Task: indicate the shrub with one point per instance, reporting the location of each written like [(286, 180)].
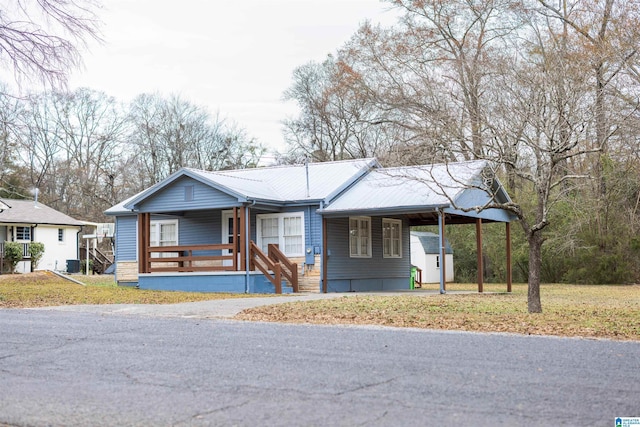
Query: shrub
[(13, 254), (83, 266), (36, 250)]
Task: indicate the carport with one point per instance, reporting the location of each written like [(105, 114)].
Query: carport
[(430, 195)]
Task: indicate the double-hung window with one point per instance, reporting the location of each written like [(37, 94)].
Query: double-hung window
[(164, 233), (391, 238), (360, 237), (284, 229)]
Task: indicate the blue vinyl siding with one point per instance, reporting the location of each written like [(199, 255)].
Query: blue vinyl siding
[(200, 228), (172, 198), (375, 273), (126, 238), (312, 224)]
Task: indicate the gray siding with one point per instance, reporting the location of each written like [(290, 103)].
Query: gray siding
[(126, 233), (342, 267), (172, 198)]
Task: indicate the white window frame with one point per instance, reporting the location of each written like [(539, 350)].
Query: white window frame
[(388, 223), (155, 240), (281, 237), (61, 235), (357, 234), (24, 227)]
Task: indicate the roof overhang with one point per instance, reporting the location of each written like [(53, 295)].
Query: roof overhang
[(133, 203)]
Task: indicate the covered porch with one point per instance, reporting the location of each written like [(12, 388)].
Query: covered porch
[(235, 265)]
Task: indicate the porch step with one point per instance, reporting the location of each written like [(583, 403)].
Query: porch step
[(311, 288)]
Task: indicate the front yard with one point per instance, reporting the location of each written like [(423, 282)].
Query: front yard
[(569, 310)]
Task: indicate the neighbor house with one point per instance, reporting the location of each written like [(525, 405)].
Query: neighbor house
[(27, 221), (425, 255), (331, 227)]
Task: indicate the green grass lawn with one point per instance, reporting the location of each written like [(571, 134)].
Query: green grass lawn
[(568, 310)]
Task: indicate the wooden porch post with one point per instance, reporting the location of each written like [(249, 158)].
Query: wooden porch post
[(479, 252), (325, 256), (508, 243), (234, 250), (243, 238), (144, 229)]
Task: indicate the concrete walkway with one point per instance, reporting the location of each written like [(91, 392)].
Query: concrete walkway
[(220, 309)]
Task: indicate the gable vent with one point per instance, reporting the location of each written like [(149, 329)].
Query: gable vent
[(188, 193)]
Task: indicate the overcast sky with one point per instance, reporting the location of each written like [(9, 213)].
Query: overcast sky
[(235, 57)]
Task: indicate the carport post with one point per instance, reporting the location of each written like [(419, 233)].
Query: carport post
[(508, 243), (479, 251), (442, 251)]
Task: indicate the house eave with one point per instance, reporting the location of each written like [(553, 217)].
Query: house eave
[(400, 210), (133, 205)]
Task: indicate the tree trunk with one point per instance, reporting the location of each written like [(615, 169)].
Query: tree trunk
[(535, 266)]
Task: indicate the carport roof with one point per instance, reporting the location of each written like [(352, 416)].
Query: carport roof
[(420, 191)]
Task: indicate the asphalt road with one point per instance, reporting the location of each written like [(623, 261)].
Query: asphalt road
[(62, 368)]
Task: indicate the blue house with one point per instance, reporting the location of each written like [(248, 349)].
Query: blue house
[(330, 227)]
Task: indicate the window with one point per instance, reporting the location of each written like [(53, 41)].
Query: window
[(285, 230), (360, 237), (23, 233), (164, 233), (60, 235), (391, 238)]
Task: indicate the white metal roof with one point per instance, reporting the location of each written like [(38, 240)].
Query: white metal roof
[(408, 188), (289, 183), (279, 184)]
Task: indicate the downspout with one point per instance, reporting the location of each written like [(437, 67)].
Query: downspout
[(441, 249)]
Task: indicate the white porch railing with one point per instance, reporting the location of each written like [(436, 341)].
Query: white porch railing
[(25, 250)]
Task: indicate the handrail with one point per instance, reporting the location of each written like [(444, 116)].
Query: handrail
[(266, 265), (290, 272), (100, 261)]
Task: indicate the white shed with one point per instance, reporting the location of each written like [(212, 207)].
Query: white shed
[(425, 255)]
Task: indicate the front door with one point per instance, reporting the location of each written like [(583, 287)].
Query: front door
[(228, 237)]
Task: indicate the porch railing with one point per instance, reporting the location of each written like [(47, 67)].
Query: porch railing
[(25, 250), (192, 258), (289, 270), (272, 270)]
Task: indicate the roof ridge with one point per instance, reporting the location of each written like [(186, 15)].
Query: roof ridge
[(311, 164)]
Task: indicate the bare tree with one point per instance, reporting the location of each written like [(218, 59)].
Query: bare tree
[(11, 178), (337, 120), (434, 68), (40, 39), (170, 133), (75, 142)]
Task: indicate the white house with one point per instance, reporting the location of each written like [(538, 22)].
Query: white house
[(27, 221), (425, 254)]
